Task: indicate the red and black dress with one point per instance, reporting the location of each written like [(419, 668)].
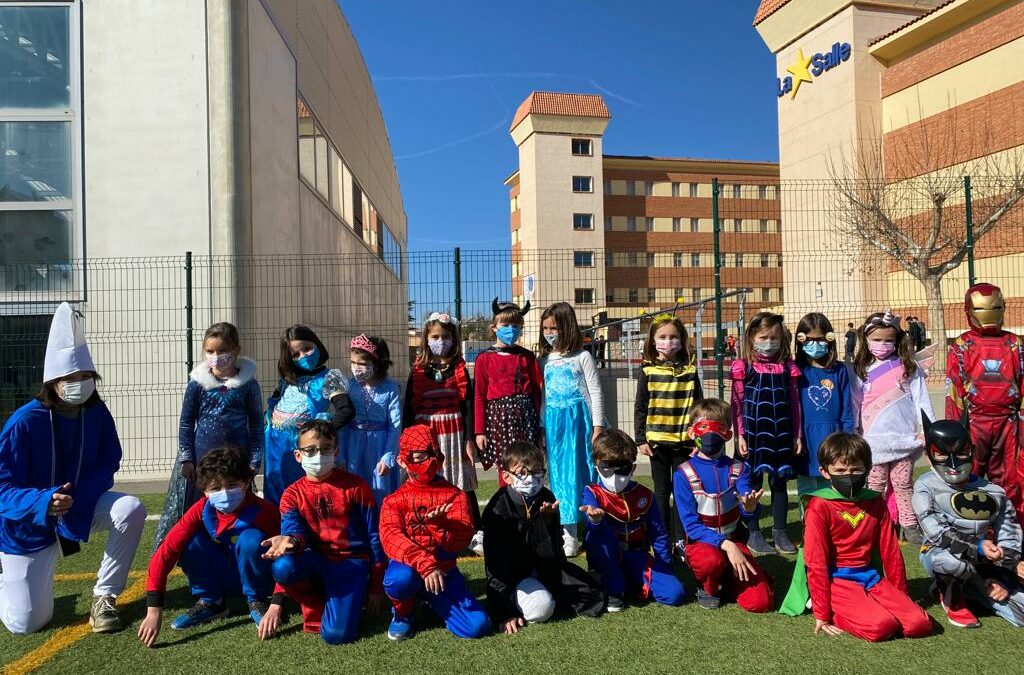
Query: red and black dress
[(508, 397)]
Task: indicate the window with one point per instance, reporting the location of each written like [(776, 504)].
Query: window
[(677, 224), (695, 294), (607, 186), (650, 260), (737, 191), (678, 295), (40, 161), (357, 209), (764, 260), (583, 258), (582, 184), (781, 299), (739, 260), (677, 260), (675, 189), (609, 295), (631, 188), (778, 226), (766, 295), (762, 226), (694, 224), (607, 223), (693, 189), (609, 260), (391, 250), (631, 259), (762, 191), (649, 224), (648, 188), (652, 294), (634, 295), (778, 260), (631, 223), (737, 225), (313, 153), (695, 260), (584, 296), (583, 221), (582, 146)]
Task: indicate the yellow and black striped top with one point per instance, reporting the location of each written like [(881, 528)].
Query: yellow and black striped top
[(665, 394)]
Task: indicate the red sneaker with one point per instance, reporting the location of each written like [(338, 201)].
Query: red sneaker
[(952, 601)]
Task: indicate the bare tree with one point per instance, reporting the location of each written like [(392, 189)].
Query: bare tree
[(905, 198)]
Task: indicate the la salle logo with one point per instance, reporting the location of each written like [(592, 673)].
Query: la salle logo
[(816, 65)]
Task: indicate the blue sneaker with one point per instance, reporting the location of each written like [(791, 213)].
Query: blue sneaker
[(400, 628), (257, 608), (200, 613)]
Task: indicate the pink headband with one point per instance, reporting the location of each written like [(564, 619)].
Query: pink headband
[(362, 343)]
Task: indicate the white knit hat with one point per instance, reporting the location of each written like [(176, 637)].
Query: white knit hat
[(66, 350)]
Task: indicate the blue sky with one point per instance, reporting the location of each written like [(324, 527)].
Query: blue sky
[(681, 78)]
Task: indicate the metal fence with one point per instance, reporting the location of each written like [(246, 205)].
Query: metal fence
[(145, 316)]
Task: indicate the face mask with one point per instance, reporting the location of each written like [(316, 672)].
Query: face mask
[(423, 472), (528, 486), (318, 466), (226, 501), (668, 346), (220, 361), (615, 482), (849, 485), (77, 393), (815, 350), (711, 445), (362, 373), (508, 335), (766, 347), (309, 361), (551, 338), (439, 346), (881, 350)]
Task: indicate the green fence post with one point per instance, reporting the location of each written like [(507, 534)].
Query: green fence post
[(188, 312), (717, 228), (969, 214), (458, 284)]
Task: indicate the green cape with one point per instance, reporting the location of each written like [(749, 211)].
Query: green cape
[(799, 595)]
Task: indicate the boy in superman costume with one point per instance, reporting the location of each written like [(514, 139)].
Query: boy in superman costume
[(850, 566)]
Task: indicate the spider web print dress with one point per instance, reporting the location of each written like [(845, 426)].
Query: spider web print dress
[(766, 408)]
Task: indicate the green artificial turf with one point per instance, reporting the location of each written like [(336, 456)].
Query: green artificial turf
[(642, 639)]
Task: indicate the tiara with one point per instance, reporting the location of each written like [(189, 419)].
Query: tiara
[(363, 343), (443, 318)]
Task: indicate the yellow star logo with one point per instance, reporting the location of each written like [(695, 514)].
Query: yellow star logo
[(854, 521), (799, 71)]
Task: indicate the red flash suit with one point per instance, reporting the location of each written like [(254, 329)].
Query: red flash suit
[(984, 371), (839, 540)]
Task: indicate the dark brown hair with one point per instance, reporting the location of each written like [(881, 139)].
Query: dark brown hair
[(864, 357), (382, 360), (522, 453), (285, 365), (811, 322), (845, 447), (651, 350), (762, 321), (570, 339), (614, 445), (48, 396), (714, 409), (222, 465), (319, 428), (423, 358), (223, 331)]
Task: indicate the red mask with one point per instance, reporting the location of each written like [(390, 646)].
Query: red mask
[(985, 308), (702, 427), (419, 439)]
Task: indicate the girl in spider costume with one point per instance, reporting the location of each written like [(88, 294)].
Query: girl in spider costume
[(766, 415)]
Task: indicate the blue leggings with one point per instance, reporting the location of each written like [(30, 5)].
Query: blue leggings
[(343, 583), (462, 614), (216, 571), (623, 571)]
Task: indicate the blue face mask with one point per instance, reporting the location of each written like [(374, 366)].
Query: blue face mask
[(815, 350), (509, 335), (309, 361), (226, 501)]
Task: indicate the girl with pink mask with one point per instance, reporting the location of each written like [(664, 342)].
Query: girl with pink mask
[(889, 393)]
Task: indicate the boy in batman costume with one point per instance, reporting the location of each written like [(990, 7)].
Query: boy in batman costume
[(972, 542)]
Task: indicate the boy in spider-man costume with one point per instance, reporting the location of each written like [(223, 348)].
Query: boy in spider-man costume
[(985, 374), (423, 525), (328, 555)]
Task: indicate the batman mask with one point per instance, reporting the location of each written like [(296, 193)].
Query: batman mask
[(949, 449)]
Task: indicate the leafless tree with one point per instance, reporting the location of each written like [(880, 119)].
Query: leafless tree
[(905, 197)]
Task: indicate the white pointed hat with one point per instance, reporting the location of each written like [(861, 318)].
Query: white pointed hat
[(66, 350)]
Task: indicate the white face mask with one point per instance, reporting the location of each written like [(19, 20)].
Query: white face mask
[(318, 466), (551, 338), (439, 346), (362, 373), (77, 393), (615, 482), (766, 347), (528, 485)]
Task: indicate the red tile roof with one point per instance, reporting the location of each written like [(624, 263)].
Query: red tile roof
[(911, 22), (767, 8), (553, 103)]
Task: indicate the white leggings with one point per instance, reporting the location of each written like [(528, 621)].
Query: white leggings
[(26, 585)]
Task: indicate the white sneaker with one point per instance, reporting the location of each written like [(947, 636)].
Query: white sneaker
[(570, 544), (476, 545)]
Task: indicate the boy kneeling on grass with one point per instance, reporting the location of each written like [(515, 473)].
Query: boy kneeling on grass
[(218, 542), (424, 525), (528, 576), (846, 528), (624, 527), (328, 556)]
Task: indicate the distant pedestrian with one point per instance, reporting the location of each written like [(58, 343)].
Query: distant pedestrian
[(851, 342)]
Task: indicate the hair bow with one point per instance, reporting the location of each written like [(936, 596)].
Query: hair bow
[(443, 318)]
